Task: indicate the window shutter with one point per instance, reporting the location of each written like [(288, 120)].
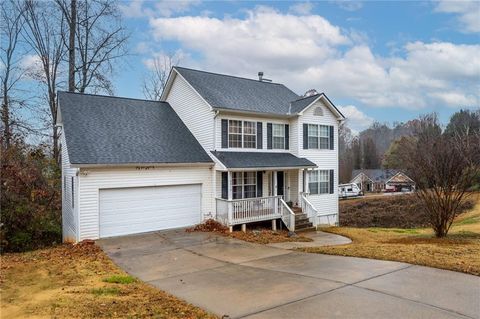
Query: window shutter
[(224, 133), (269, 136), (259, 184), (305, 136), (287, 137), (332, 142), (331, 181), (259, 135), (224, 185)]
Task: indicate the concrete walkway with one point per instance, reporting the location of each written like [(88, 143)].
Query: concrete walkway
[(244, 280), (320, 238)]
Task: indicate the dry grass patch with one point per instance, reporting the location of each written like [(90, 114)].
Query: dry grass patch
[(459, 251), (80, 281), (262, 236)]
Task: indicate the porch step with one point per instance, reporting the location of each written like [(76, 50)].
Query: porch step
[(302, 222)]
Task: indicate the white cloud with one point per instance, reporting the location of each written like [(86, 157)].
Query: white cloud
[(357, 120), (132, 9), (349, 5), (265, 39), (308, 51), (468, 13), (302, 8), (163, 8)]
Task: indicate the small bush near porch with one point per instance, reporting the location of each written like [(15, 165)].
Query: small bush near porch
[(80, 281), (458, 251)]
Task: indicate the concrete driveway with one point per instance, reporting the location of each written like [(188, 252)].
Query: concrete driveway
[(239, 279)]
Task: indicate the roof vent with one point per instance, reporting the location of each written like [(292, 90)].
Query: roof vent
[(310, 92), (261, 78)]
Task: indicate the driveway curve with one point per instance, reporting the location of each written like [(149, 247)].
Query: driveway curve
[(244, 280)]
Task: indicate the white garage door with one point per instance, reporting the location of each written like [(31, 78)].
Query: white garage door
[(126, 211)]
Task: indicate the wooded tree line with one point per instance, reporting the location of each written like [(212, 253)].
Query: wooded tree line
[(46, 46), (381, 145)]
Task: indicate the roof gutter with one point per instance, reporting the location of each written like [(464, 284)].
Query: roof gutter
[(261, 114), (142, 165)]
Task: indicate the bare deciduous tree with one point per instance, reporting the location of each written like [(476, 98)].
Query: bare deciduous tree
[(154, 82), (11, 72), (101, 42), (443, 170), (44, 32)]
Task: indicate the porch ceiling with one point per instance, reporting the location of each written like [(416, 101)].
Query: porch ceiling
[(261, 160)]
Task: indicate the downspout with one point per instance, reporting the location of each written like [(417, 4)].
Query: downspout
[(214, 172)]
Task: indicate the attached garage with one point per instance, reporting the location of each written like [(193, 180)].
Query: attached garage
[(129, 166), (133, 210)]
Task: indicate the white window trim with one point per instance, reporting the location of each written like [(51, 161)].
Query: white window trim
[(242, 183), (319, 181), (318, 136), (243, 134)]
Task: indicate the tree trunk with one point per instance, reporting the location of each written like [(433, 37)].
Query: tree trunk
[(71, 46), (6, 121)]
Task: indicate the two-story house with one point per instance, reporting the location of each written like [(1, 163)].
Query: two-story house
[(218, 146)]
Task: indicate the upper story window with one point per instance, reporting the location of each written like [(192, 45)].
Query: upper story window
[(278, 135), (242, 134), (318, 136)]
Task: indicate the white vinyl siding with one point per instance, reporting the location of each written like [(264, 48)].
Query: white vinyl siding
[(91, 181), (69, 212), (193, 111), (325, 159)]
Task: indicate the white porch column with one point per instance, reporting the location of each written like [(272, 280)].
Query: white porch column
[(275, 188), (230, 197), (307, 189), (299, 182)]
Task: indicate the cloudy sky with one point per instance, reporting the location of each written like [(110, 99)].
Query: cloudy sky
[(385, 61)]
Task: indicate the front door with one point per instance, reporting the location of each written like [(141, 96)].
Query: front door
[(280, 183)]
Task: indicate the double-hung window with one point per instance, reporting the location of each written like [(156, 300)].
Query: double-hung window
[(249, 134), (235, 133), (242, 134), (319, 182), (318, 136), (244, 185), (278, 136)]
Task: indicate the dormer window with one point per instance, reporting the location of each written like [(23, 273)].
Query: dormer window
[(242, 134)]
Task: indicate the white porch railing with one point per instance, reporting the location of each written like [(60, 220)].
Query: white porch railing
[(248, 210), (312, 213), (288, 216), (308, 208)]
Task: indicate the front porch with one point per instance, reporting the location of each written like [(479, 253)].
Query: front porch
[(255, 196)]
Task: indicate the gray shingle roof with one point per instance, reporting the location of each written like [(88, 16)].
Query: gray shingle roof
[(301, 103), (230, 92), (261, 160), (376, 175), (114, 130)]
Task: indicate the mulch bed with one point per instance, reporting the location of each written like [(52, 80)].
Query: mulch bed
[(260, 236), (401, 211)]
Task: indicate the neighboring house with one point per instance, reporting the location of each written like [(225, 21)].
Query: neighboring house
[(220, 146), (380, 180)]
